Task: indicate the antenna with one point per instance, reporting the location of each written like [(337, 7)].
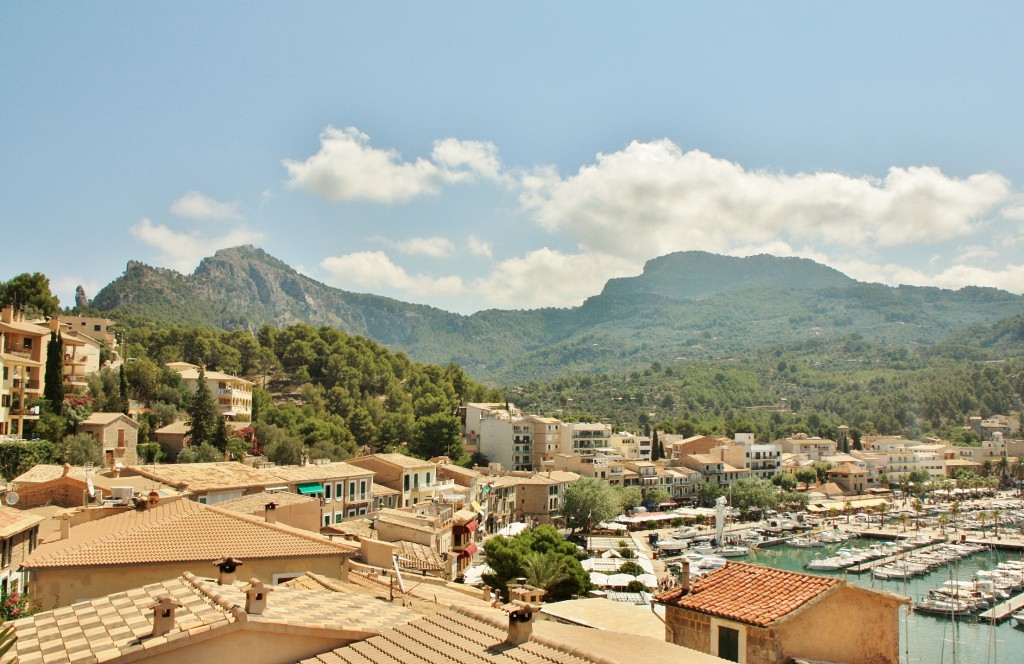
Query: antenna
[(12, 498)]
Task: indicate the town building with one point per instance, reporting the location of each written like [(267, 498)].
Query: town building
[(117, 435), (19, 535), (416, 479), (345, 491), (759, 615), (138, 547), (811, 447), (233, 395), (76, 486), (23, 348)]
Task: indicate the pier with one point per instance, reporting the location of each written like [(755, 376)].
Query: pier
[(861, 568), (1001, 612)]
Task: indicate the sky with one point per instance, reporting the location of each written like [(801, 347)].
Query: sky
[(476, 156)]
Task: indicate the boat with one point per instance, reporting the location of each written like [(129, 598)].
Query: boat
[(942, 607), (1019, 619), (732, 551)]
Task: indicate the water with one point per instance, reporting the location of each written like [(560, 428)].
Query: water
[(924, 639)]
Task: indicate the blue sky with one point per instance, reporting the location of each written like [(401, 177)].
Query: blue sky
[(473, 156)]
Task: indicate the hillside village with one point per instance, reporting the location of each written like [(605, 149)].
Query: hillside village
[(373, 557)]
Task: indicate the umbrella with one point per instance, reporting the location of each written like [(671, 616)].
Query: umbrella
[(620, 580), (598, 579), (512, 529), (611, 525), (648, 580), (473, 576)]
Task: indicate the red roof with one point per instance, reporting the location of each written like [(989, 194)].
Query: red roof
[(751, 594)]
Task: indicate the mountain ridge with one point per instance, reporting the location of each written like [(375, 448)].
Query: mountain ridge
[(693, 305)]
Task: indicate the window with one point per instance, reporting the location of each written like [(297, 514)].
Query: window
[(428, 479), (327, 519), (95, 328), (339, 489), (337, 517), (352, 490), (327, 491), (26, 342), (729, 643), (406, 482), (362, 489)]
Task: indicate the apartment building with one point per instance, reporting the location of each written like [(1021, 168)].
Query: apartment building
[(19, 534), (117, 435), (500, 433), (233, 395), (23, 348), (345, 491), (811, 447), (416, 479), (607, 468), (585, 438)]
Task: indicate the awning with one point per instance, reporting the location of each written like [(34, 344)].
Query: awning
[(471, 526), (476, 507), (469, 551), (311, 488)]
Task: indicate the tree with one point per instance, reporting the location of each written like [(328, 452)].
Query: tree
[(588, 501), (201, 453), (806, 476), (53, 377), (32, 293), (203, 413), (80, 449), (545, 570), (656, 451), (708, 492), (629, 497), (220, 435), (656, 496), (437, 434), (754, 494), (506, 556), (122, 391), (149, 452)]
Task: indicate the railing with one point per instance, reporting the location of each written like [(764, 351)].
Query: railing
[(23, 384)]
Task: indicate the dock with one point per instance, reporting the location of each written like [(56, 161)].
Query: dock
[(1004, 610), (878, 562)]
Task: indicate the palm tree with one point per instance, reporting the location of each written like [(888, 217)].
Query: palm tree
[(943, 520), (996, 515), (544, 570), (848, 508), (918, 507), (983, 517), (1002, 467), (954, 511), (904, 520)]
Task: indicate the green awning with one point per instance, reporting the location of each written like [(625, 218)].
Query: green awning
[(310, 489)]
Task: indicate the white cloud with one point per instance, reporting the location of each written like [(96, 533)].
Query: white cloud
[(195, 205), (548, 278), (437, 247), (1009, 278), (183, 251), (373, 269), (651, 199), (348, 168), (464, 160), (478, 247)]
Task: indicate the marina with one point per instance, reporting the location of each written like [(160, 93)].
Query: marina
[(928, 638)]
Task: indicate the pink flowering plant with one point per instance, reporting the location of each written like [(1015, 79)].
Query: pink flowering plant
[(14, 605)]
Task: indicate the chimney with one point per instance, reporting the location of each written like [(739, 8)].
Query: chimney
[(271, 512), (227, 566), (684, 581), (67, 469), (256, 597), (520, 625), (163, 614), (65, 526)]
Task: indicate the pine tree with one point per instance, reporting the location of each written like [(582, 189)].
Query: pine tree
[(53, 385), (220, 435), (203, 412)]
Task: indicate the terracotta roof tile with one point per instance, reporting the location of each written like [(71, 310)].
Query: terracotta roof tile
[(752, 594), (179, 530)]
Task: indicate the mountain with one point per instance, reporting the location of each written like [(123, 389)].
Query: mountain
[(686, 305)]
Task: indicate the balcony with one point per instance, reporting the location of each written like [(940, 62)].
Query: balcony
[(22, 384)]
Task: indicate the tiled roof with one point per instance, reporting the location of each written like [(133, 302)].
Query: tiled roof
[(467, 634), (179, 530), (14, 521), (847, 468), (120, 625), (106, 418), (751, 594), (438, 593), (418, 556), (257, 502), (202, 477), (318, 472), (398, 460)]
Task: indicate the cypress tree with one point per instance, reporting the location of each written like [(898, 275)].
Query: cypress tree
[(656, 453), (122, 390), (203, 412), (53, 379)]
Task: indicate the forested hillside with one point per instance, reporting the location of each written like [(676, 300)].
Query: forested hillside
[(684, 306)]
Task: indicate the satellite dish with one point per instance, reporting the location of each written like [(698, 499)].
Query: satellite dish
[(12, 498), (92, 488)]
